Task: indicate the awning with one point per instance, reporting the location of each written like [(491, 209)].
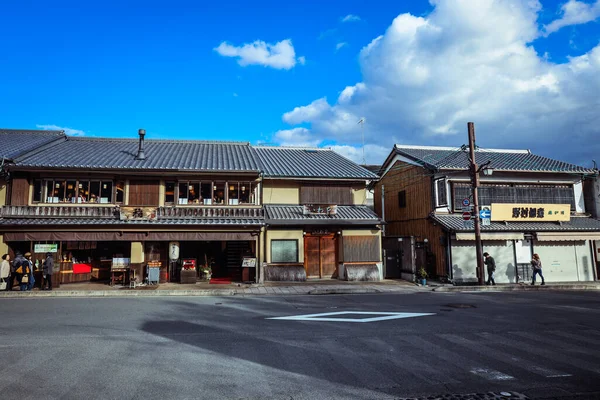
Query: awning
[(567, 236), (490, 236)]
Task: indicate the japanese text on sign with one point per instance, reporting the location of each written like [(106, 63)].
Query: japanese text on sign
[(530, 212)]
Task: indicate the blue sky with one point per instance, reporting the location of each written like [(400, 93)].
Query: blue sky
[(109, 68)]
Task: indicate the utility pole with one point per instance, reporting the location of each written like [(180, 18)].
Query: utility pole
[(475, 185)]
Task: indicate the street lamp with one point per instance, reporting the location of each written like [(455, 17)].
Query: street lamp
[(488, 171)]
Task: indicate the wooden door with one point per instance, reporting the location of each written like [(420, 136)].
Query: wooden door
[(328, 259), (312, 261), (320, 259)]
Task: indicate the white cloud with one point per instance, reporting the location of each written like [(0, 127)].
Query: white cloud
[(373, 153), (68, 131), (296, 137), (301, 60), (235, 94), (280, 55), (340, 45), (574, 12), (350, 18), (427, 76)]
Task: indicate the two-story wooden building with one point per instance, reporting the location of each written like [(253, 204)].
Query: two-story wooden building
[(536, 205), (94, 200)]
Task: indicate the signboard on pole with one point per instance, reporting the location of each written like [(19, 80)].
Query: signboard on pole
[(466, 216), (466, 202), (485, 215)]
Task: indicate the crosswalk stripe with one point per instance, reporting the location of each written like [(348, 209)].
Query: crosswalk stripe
[(455, 359), (401, 359), (498, 354), (532, 349), (581, 338), (561, 344)]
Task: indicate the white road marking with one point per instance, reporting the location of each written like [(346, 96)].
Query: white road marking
[(326, 316), (491, 374)]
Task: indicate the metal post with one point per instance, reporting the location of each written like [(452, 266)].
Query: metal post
[(475, 184), (383, 208)]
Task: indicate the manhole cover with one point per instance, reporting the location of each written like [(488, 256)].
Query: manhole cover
[(458, 305)]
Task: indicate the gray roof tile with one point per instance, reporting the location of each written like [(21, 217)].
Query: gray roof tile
[(16, 142), (288, 162), (284, 214), (105, 153), (454, 222), (115, 221), (500, 160)]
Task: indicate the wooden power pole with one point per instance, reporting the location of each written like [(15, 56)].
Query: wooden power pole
[(475, 185)]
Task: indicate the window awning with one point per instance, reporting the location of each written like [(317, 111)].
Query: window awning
[(567, 236), (490, 236)]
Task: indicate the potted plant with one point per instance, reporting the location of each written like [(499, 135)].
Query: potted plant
[(422, 274), (207, 272)]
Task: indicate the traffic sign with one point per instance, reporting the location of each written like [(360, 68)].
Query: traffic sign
[(467, 216), (485, 222), (485, 213), (466, 202)]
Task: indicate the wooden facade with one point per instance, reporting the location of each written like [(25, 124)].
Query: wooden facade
[(144, 192), (326, 194), (361, 249), (19, 191), (408, 204)]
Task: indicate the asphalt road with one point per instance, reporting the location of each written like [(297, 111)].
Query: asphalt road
[(542, 345)]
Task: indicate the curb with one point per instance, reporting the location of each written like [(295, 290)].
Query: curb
[(116, 293), (343, 291), (515, 288)]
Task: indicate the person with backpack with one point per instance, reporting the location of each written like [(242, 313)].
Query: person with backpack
[(536, 264), (22, 271), (31, 277), (48, 269), (491, 268)]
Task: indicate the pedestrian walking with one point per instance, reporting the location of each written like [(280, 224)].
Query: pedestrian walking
[(491, 268), (47, 268), (22, 271), (536, 263), (31, 277), (5, 273)]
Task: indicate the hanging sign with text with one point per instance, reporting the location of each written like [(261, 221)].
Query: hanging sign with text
[(531, 212)]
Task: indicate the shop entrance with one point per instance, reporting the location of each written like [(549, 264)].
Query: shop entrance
[(223, 257), (320, 256)]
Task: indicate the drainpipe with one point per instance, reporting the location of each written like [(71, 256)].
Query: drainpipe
[(383, 208)]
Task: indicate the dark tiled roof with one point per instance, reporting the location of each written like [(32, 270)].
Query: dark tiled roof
[(105, 153), (15, 142), (115, 221), (373, 168), (288, 162), (583, 224), (352, 215), (501, 160)]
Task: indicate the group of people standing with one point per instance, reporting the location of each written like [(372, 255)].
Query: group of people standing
[(536, 265), (21, 269)]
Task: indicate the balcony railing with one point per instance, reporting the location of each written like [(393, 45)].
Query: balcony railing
[(209, 212), (58, 212), (117, 212)]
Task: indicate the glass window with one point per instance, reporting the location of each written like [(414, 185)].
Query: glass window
[(71, 193), (206, 192), (94, 192), (183, 193), (284, 251), (247, 190), (37, 191), (402, 199), (169, 192), (106, 191), (219, 193), (442, 198), (120, 192), (194, 193), (59, 191), (233, 193), (83, 191)]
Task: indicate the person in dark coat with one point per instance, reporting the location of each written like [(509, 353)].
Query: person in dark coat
[(48, 268), (21, 269), (491, 268)]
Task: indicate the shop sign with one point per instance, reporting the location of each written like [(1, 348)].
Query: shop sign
[(45, 248), (137, 213), (319, 209), (531, 212), (248, 262)]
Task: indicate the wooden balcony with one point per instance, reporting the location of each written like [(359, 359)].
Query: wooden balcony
[(58, 212), (209, 212)]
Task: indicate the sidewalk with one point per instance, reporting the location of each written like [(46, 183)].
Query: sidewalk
[(509, 287), (316, 287)]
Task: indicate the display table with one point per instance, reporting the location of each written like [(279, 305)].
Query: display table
[(119, 275)]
